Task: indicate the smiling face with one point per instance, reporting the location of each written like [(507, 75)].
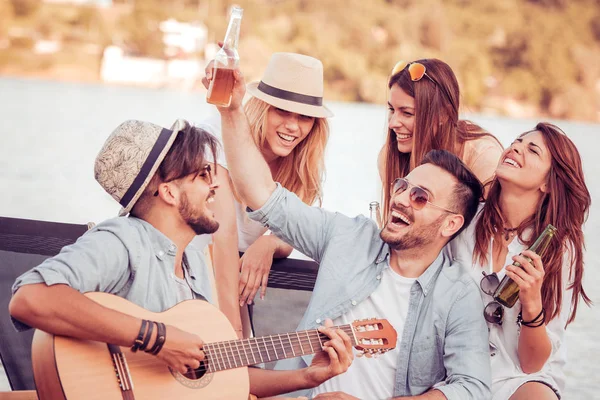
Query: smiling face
[(401, 117), (526, 163), (410, 228), (197, 192), (284, 130)]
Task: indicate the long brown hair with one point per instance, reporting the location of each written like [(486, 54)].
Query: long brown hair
[(303, 170), (565, 205), (437, 126)]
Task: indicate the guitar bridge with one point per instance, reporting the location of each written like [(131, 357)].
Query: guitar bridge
[(121, 368)]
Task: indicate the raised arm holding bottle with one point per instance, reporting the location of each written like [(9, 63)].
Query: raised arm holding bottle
[(538, 192)]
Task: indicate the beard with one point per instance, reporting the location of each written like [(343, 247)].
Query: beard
[(200, 224), (415, 239)]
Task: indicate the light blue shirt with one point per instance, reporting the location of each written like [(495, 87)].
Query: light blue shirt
[(445, 338), (125, 256)]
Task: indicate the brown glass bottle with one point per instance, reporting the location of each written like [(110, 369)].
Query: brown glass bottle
[(226, 60), (507, 292)]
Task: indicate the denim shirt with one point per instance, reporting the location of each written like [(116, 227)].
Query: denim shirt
[(445, 338), (125, 256)]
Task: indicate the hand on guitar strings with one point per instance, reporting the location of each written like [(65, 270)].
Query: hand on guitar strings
[(335, 358), (182, 350)]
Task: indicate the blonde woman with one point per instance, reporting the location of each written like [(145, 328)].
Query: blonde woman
[(289, 125)]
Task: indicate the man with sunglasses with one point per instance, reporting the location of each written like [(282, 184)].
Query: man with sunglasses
[(399, 273), (163, 181)]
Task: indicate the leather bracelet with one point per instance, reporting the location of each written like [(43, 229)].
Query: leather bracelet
[(538, 321), (148, 336), (140, 338), (161, 336)]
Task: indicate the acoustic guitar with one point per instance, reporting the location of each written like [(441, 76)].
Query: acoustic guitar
[(68, 368)]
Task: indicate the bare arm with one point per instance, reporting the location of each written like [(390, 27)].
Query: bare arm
[(225, 251), (62, 310), (256, 264), (249, 171)]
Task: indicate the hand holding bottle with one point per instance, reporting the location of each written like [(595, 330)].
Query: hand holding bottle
[(529, 277)]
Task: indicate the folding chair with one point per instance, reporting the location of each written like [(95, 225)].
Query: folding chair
[(24, 244)]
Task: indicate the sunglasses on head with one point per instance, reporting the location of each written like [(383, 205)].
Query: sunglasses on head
[(493, 311), (418, 196), (417, 71)]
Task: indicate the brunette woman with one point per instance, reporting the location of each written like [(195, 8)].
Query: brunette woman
[(539, 181), (423, 104)]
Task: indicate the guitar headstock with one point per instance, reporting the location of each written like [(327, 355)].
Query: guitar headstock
[(374, 336)]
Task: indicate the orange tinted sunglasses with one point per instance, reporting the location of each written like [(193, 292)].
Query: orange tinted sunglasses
[(416, 70)]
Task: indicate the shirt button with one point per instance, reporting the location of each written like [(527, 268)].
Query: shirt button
[(378, 277), (318, 321), (161, 253), (353, 302)]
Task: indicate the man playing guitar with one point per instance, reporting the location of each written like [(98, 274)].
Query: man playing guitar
[(161, 179)]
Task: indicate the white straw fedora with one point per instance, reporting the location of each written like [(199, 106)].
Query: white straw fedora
[(130, 157), (293, 82)]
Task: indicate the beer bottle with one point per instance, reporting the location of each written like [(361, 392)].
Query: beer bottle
[(507, 292), (226, 60), (375, 212)]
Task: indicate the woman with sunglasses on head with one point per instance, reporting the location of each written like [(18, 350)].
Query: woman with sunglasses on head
[(423, 104), (289, 124), (539, 181)]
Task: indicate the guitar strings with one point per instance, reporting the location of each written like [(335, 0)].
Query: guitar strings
[(220, 354)]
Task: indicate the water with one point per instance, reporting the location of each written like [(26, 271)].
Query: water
[(51, 133)]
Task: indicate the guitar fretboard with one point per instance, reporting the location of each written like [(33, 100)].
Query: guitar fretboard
[(241, 353)]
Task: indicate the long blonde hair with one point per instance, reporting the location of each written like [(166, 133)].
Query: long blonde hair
[(303, 170)]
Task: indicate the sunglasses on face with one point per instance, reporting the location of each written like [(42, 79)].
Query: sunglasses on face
[(493, 311), (418, 196), (205, 173)]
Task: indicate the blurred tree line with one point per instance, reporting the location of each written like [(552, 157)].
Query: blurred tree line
[(542, 54)]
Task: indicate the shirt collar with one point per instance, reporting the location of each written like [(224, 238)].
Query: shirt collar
[(161, 245), (428, 278)]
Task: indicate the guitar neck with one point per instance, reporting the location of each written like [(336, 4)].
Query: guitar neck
[(240, 353)]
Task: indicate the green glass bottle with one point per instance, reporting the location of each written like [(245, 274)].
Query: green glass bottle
[(507, 292)]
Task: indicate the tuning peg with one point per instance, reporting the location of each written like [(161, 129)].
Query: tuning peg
[(368, 355), (360, 353)]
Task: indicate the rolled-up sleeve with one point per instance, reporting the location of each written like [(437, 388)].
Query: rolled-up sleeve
[(466, 349), (304, 227), (97, 262)]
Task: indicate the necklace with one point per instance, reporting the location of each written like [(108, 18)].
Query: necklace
[(509, 232)]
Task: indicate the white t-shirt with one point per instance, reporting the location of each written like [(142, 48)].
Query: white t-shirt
[(374, 378), (507, 375), (248, 230)]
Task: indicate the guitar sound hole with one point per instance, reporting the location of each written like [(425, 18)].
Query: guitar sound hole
[(194, 374)]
